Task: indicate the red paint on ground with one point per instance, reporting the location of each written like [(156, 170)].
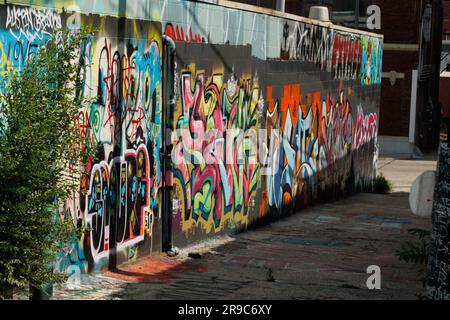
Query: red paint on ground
[(153, 270)]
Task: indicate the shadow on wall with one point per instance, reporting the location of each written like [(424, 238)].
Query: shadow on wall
[(345, 177), (317, 150), (324, 149)]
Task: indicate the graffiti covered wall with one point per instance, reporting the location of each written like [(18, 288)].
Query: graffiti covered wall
[(257, 138), (263, 132), (122, 83), (270, 115)]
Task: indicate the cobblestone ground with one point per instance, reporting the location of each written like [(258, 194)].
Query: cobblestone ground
[(320, 253)]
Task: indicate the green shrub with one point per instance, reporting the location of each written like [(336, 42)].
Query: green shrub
[(39, 142), (417, 252), (382, 185)]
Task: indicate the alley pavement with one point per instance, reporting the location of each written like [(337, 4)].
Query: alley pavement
[(322, 252)]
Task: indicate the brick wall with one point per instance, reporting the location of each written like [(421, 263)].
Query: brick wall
[(446, 5), (400, 25), (400, 20), (294, 7), (281, 89), (396, 99), (445, 96)]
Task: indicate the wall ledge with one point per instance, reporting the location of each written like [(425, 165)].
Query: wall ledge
[(276, 13)]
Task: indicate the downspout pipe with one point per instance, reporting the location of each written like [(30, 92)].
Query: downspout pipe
[(173, 48), (168, 107), (170, 43)]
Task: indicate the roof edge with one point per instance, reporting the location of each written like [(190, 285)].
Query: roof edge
[(276, 13)]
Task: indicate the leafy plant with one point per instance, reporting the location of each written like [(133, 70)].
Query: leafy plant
[(41, 153), (417, 252), (382, 185)]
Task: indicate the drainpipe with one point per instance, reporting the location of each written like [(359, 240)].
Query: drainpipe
[(114, 218), (168, 107), (170, 43), (413, 112)]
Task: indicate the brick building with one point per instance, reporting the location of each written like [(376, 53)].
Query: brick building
[(446, 24), (410, 113), (444, 95)]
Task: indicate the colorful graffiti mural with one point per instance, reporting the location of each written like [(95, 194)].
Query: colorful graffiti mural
[(315, 134), (24, 31), (259, 125), (216, 166), (177, 34), (346, 56), (123, 121)]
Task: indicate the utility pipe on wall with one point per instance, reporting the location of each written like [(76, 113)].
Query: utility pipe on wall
[(169, 105), (413, 110)]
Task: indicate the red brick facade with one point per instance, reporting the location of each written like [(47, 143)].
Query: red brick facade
[(400, 25), (400, 22), (294, 6), (444, 97), (446, 5), (396, 99)]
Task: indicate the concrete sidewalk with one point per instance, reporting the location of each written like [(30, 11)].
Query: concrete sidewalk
[(321, 253), (403, 172)]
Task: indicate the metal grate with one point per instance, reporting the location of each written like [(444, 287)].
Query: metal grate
[(445, 61), (426, 72)]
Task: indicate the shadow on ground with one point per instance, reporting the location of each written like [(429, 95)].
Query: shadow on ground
[(321, 253)]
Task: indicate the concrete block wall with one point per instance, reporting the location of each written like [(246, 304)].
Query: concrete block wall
[(272, 113)]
